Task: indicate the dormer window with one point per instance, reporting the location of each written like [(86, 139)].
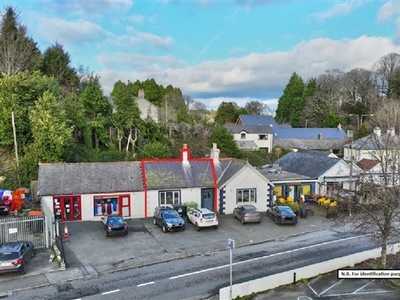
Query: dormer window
[(243, 136), (263, 137)]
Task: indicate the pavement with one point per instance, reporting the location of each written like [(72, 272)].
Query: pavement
[(89, 253)]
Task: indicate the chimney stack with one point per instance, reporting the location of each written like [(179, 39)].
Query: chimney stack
[(141, 93), (185, 154), (215, 154)]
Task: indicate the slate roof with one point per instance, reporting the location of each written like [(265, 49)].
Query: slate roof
[(282, 176), (374, 142), (310, 163), (89, 178), (314, 144), (174, 174), (256, 120), (226, 169), (247, 145), (310, 133)]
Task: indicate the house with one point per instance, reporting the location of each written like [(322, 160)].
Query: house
[(146, 108), (332, 173), (87, 191), (289, 184), (252, 137), (176, 181), (240, 183), (376, 146), (295, 138)]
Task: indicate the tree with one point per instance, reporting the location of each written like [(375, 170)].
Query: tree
[(384, 69), (18, 52), (156, 150), (291, 102), (97, 111), (225, 142), (256, 108), (227, 112), (56, 63)]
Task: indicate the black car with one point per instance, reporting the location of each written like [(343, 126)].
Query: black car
[(168, 219), (114, 225), (282, 214), (14, 256)]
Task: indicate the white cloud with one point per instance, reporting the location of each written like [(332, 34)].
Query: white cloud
[(156, 41), (338, 9), (213, 103), (389, 10), (257, 75)]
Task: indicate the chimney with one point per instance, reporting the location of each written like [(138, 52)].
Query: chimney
[(141, 93), (377, 131), (391, 131), (215, 154), (185, 154)]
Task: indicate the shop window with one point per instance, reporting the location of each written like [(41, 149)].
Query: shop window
[(105, 206), (169, 197), (246, 196)]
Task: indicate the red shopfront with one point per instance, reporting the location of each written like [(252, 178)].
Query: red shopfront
[(67, 208)]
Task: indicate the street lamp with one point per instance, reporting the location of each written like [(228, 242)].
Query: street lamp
[(358, 120)]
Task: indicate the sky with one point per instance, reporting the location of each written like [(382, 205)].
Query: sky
[(215, 50)]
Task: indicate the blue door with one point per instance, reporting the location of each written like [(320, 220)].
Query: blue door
[(207, 199)]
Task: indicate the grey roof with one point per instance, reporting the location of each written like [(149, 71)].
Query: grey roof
[(226, 169), (247, 145), (259, 129), (313, 144), (376, 142), (257, 120), (309, 163), (274, 175), (174, 174), (89, 178)]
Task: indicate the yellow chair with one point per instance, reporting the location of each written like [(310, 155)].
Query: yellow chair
[(321, 201), (333, 204), (327, 202), (281, 200)]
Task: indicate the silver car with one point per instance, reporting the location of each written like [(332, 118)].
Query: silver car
[(247, 214)]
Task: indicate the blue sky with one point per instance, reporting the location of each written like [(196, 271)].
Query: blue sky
[(213, 50)]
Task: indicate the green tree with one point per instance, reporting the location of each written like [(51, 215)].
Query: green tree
[(56, 63), (156, 150), (227, 112), (225, 142), (18, 53), (291, 102), (98, 112)]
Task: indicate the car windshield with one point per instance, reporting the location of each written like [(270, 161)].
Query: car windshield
[(170, 214), (8, 255), (116, 221), (209, 216), (286, 211), (251, 210)]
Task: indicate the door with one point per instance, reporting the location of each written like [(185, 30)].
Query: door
[(125, 206), (207, 199), (67, 208)]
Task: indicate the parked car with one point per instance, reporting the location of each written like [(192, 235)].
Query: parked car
[(5, 201), (247, 214), (168, 219), (202, 217), (114, 225), (14, 256), (282, 214)]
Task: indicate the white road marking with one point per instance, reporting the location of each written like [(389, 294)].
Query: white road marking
[(331, 287), (266, 256), (314, 291), (110, 292), (144, 284), (356, 291)]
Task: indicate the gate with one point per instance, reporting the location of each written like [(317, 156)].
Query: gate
[(33, 229)]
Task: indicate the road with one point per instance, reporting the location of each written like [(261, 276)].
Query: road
[(201, 277)]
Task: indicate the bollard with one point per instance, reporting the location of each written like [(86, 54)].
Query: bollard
[(294, 277)]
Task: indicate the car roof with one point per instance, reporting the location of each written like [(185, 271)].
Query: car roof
[(248, 206), (11, 246), (204, 210), (165, 207)]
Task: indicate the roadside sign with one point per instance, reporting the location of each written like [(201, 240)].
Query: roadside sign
[(231, 244)]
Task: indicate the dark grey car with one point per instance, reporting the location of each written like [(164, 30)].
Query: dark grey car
[(168, 219), (14, 256), (282, 214)]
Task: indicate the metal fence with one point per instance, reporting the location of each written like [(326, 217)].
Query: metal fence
[(35, 229)]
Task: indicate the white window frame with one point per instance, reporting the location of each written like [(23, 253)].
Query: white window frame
[(165, 197), (246, 195)]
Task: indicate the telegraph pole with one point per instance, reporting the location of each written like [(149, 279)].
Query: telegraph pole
[(15, 146)]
